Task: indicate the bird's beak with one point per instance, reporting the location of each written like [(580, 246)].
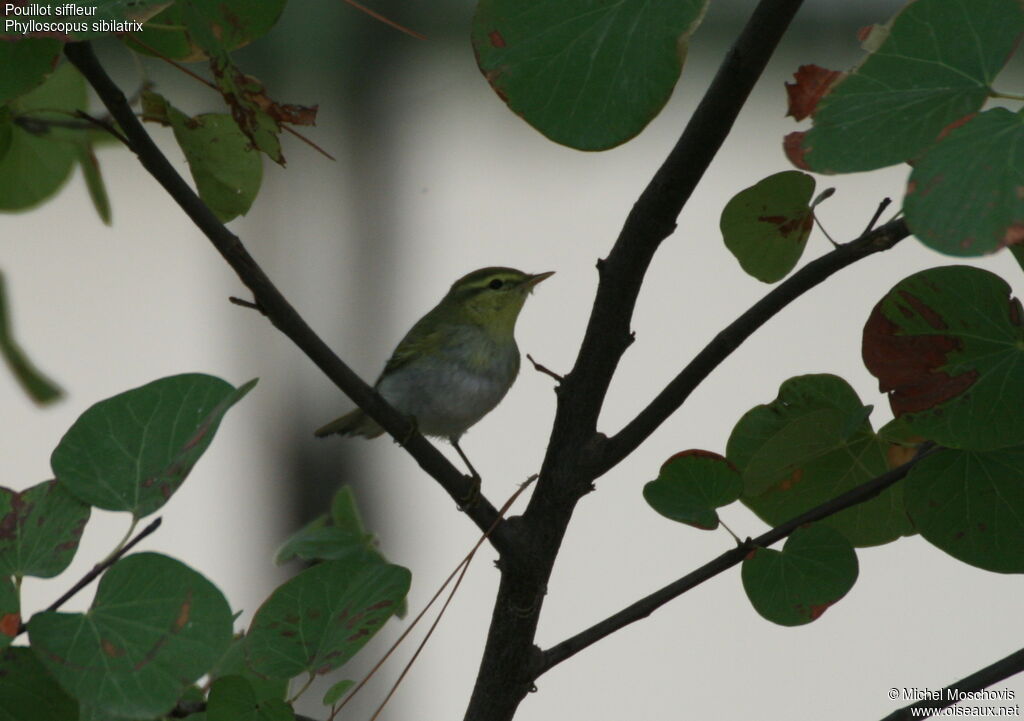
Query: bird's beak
[(535, 279)]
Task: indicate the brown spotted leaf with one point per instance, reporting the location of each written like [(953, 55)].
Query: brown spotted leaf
[(947, 345), (811, 444), (766, 225), (966, 193), (691, 485), (154, 627), (132, 452), (28, 692), (319, 619), (39, 529), (815, 568), (810, 83)]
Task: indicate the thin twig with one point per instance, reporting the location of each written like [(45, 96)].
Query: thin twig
[(100, 568), (647, 605), (246, 304), (103, 124), (542, 369), (278, 310), (377, 16), (878, 214)]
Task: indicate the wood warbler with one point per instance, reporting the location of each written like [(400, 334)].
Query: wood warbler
[(456, 363)]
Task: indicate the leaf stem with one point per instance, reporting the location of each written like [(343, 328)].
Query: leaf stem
[(305, 687), (1005, 96)]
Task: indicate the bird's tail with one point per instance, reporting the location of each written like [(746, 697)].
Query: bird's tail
[(355, 423)]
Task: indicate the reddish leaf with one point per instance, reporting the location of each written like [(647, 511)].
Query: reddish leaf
[(812, 83)]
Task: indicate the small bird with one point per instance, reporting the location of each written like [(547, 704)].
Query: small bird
[(456, 363)]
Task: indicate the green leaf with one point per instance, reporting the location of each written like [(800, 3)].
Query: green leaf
[(132, 452), (811, 444), (336, 692), (1018, 254), (766, 225), (227, 172), (26, 63), (340, 535), (233, 663), (691, 485), (154, 627), (37, 163), (964, 196), (816, 567), (588, 74), (29, 693), (947, 345), (173, 32), (94, 180), (971, 505), (232, 698), (10, 611), (36, 385), (319, 619), (930, 68), (39, 530)]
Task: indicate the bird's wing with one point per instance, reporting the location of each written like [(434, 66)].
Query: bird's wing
[(417, 343)]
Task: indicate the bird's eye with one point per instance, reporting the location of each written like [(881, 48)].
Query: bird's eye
[(496, 284)]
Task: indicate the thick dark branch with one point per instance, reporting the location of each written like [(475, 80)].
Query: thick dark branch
[(994, 673), (675, 393), (273, 303), (653, 217), (645, 606)]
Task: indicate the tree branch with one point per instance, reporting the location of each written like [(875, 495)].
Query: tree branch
[(100, 568), (676, 392), (274, 305), (647, 605), (983, 678)]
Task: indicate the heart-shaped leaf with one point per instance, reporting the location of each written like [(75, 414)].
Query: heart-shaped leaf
[(811, 444), (39, 530), (132, 452), (588, 74), (766, 225), (691, 485), (320, 618), (154, 627), (947, 345), (971, 505), (816, 567)]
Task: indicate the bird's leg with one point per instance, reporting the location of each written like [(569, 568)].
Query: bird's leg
[(475, 493)]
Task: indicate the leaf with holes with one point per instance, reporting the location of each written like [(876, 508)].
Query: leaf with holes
[(811, 444), (28, 692), (691, 485), (319, 619), (39, 388), (226, 170), (816, 567), (154, 627), (930, 68), (232, 698), (132, 452), (39, 529), (766, 225), (947, 345), (985, 156), (586, 74), (971, 505)]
